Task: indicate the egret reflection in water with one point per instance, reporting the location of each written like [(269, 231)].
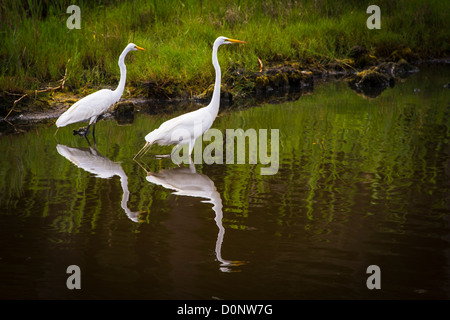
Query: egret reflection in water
[(90, 160), (186, 181)]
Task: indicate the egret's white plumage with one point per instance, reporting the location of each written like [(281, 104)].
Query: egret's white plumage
[(186, 128), (92, 106)]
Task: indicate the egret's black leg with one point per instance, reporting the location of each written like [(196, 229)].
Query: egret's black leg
[(87, 130), (93, 133), (174, 150), (93, 129), (87, 139)]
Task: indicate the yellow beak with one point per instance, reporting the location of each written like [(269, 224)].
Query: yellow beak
[(139, 48), (236, 41)]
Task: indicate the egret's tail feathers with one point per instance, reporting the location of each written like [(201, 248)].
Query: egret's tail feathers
[(63, 120), (58, 123)]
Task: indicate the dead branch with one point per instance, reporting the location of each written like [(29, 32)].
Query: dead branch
[(261, 67), (61, 86)]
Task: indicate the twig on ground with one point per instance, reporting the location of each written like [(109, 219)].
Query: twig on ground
[(260, 65), (61, 86)]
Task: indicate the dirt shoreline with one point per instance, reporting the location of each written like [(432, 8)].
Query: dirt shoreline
[(365, 74)]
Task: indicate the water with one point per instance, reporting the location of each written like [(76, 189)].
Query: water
[(361, 182)]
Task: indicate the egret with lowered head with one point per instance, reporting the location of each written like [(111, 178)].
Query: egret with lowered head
[(92, 106), (188, 127)]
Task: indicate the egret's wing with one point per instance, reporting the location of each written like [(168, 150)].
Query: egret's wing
[(90, 106), (182, 120), (192, 123)]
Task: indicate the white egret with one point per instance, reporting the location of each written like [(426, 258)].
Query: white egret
[(188, 127), (92, 106)]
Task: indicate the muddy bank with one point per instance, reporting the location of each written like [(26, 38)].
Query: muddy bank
[(276, 83)]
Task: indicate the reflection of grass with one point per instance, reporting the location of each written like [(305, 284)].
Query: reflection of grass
[(338, 148), (37, 46), (335, 148)]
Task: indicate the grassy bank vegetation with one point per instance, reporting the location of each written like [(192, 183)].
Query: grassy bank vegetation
[(37, 47)]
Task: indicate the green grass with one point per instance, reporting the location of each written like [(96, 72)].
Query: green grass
[(37, 47)]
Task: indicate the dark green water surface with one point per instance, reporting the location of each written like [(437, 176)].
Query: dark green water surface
[(360, 182)]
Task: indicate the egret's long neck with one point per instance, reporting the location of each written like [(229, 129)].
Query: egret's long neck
[(215, 101), (123, 75)]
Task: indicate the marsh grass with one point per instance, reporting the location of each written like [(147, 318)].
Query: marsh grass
[(37, 46)]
